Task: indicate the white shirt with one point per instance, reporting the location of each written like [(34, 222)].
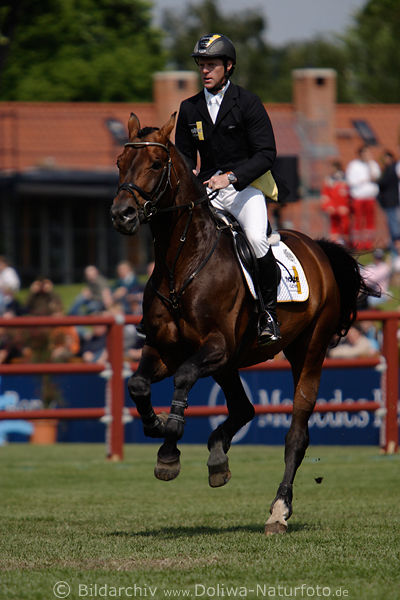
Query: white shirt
[(214, 101), (360, 176), (9, 280)]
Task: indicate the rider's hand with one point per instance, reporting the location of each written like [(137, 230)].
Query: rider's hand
[(217, 182)]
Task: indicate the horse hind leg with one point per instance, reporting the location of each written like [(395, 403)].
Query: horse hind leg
[(240, 412), (306, 373)]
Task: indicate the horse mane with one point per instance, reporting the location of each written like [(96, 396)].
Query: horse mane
[(352, 285)]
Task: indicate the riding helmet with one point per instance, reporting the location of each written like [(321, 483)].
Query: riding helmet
[(215, 45)]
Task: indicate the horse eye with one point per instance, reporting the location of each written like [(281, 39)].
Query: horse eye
[(156, 165)]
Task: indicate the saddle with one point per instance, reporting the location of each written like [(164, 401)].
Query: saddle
[(244, 251), (292, 284)]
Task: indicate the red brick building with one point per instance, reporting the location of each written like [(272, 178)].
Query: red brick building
[(58, 174)]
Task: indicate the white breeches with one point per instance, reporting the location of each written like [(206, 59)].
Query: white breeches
[(250, 209)]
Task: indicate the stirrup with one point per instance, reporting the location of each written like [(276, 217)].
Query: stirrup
[(268, 330)]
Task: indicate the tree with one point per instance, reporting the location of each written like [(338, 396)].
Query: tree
[(317, 53), (245, 28), (91, 50), (374, 57)]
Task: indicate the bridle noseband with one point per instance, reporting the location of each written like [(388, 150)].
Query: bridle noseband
[(149, 208)]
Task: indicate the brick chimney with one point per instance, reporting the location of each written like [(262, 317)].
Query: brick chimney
[(314, 97), (169, 89)]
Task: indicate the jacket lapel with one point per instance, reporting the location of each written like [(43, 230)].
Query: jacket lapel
[(201, 106), (229, 100)]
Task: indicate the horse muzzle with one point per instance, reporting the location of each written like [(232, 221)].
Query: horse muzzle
[(125, 219)]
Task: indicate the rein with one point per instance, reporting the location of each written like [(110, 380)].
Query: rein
[(150, 209)]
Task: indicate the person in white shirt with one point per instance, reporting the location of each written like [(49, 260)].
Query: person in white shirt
[(9, 283), (361, 175), (377, 275)]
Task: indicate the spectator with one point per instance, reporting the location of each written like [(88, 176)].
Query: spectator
[(94, 344), (133, 342), (361, 175), (64, 342), (48, 344), (377, 275), (395, 275), (126, 285), (9, 284), (335, 201), (12, 341), (42, 300), (388, 197), (96, 295), (374, 335), (355, 345)]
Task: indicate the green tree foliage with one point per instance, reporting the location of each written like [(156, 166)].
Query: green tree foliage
[(366, 58), (261, 68), (83, 50), (374, 55), (245, 29), (317, 53)]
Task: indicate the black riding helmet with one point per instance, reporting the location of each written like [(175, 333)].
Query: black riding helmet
[(215, 45)]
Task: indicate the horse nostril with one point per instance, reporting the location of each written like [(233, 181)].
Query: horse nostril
[(128, 214), (124, 215)]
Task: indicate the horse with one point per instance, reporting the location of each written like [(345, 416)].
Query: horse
[(200, 319)]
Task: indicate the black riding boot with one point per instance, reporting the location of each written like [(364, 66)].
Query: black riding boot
[(268, 274)]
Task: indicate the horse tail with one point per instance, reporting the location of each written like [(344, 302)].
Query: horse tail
[(352, 285)]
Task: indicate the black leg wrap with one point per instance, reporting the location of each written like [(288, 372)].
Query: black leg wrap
[(176, 421), (153, 426)]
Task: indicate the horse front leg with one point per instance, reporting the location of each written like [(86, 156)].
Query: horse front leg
[(151, 369), (211, 356), (240, 412)]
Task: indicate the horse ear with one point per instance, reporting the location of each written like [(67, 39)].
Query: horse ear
[(133, 126), (169, 125)]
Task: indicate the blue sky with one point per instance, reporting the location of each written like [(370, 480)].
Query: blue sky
[(288, 20)]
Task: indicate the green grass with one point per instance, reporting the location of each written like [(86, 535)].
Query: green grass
[(68, 515)]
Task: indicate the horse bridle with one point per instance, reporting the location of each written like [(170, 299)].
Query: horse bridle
[(149, 208)]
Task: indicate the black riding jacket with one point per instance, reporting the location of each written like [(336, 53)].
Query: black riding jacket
[(241, 140)]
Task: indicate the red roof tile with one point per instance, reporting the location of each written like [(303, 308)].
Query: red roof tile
[(63, 135), (383, 119), (75, 135)]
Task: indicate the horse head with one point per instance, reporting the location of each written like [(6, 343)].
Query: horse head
[(144, 175)]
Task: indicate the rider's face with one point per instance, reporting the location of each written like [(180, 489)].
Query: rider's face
[(212, 72)]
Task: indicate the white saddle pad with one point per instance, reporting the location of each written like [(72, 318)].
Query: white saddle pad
[(293, 286)]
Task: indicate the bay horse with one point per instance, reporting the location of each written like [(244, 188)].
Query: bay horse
[(199, 316)]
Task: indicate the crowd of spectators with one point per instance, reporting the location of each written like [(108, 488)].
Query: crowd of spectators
[(352, 196), (69, 343)]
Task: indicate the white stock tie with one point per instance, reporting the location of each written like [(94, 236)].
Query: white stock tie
[(213, 108)]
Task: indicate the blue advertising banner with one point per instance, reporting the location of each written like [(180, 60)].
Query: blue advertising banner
[(263, 387)]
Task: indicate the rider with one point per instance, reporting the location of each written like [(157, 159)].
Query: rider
[(231, 130)]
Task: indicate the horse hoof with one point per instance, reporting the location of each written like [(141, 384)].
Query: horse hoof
[(218, 466), (219, 479), (167, 471), (274, 528)]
